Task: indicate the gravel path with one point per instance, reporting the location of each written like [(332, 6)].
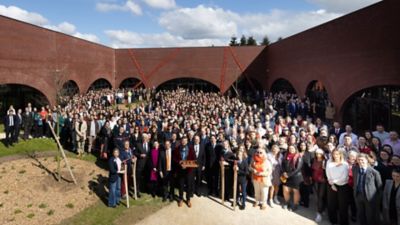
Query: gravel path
[(210, 211)]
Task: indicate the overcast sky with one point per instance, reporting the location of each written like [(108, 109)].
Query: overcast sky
[(165, 23)]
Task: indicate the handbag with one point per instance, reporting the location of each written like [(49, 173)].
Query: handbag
[(283, 179)]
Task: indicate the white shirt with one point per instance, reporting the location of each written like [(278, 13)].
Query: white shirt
[(119, 163), (92, 128), (337, 174), (196, 150)]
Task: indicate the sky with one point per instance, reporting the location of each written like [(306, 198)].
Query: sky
[(174, 23)]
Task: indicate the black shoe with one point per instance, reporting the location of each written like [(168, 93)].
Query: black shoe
[(294, 208), (242, 207), (164, 199), (197, 194), (171, 199), (353, 219)]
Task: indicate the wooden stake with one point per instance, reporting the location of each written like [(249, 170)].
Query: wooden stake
[(235, 167), (222, 167), (134, 178), (126, 184), (62, 152)]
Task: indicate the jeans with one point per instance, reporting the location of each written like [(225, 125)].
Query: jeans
[(114, 194), (242, 186)]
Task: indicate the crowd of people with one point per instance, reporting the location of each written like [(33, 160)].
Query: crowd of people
[(282, 144)]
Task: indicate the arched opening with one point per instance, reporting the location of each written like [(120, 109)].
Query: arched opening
[(370, 106), (191, 84), (282, 85), (318, 97), (247, 88), (100, 84), (70, 88), (130, 83), (19, 96)]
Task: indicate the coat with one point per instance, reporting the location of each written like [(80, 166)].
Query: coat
[(267, 171), (81, 131), (386, 201), (373, 183)]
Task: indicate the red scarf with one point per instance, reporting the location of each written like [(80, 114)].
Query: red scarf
[(292, 158)]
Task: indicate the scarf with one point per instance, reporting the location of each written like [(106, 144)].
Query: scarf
[(258, 165)]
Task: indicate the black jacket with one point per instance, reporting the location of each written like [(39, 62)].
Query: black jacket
[(113, 170)]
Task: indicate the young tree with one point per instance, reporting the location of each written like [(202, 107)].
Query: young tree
[(265, 41), (251, 41), (243, 41), (233, 41)]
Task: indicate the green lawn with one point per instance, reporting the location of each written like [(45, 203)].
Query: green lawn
[(100, 214), (29, 146)]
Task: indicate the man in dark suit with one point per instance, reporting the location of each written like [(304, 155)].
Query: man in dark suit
[(142, 152), (18, 125), (10, 121), (367, 188), (165, 167), (199, 151), (212, 166), (184, 174), (336, 130), (27, 119), (120, 138)]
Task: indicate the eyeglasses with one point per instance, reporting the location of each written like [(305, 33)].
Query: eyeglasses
[(259, 152)]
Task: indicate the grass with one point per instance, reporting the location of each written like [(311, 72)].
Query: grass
[(29, 146), (100, 214), (17, 211), (29, 206), (30, 215), (50, 212), (21, 171), (69, 205), (42, 206)]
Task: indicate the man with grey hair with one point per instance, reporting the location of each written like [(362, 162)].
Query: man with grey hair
[(367, 188)]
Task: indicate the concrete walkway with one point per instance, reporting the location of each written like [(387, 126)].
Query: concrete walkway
[(209, 211)]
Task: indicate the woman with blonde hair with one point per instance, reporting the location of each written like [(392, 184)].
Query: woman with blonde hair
[(337, 173), (261, 170)]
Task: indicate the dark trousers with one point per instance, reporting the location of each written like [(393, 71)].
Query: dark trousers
[(185, 179), (338, 203), (321, 196), (352, 202), (305, 190), (168, 185), (10, 135), (154, 188), (16, 133), (368, 211), (228, 183), (212, 180), (198, 178), (27, 131), (140, 182), (242, 190)]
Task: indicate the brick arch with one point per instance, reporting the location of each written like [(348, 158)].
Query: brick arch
[(73, 82), (156, 83), (41, 85), (137, 81), (348, 94), (98, 78), (271, 86)]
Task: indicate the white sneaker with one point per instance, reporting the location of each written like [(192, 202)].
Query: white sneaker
[(318, 218)]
